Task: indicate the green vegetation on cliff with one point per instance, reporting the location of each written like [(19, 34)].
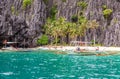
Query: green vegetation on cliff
[(62, 29), (74, 18), (82, 4), (45, 1), (63, 0), (104, 7), (26, 3), (26, 18), (53, 12), (13, 10), (107, 12)]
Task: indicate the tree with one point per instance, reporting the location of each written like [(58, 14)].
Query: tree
[(26, 3), (43, 40), (82, 27), (93, 25), (107, 13), (55, 28), (69, 31), (62, 28)]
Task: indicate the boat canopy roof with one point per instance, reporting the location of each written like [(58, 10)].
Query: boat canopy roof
[(11, 42), (75, 42), (82, 43)]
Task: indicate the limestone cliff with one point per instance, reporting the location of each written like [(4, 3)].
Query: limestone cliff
[(18, 23), (108, 32)]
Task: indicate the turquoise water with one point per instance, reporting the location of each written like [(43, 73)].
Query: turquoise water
[(48, 65)]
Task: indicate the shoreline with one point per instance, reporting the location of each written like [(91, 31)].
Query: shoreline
[(88, 48), (66, 48)]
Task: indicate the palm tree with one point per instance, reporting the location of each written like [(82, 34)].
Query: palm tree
[(82, 27), (73, 31), (48, 28), (56, 28), (70, 31), (67, 31), (62, 28), (93, 25)]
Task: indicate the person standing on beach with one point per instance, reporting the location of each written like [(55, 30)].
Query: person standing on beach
[(5, 42), (97, 49)]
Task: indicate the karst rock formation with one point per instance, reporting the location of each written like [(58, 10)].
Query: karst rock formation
[(25, 24)]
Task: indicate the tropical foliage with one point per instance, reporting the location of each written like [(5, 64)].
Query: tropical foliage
[(63, 31), (45, 1), (26, 3), (43, 40), (93, 25), (107, 12), (104, 7), (74, 18), (82, 4), (13, 9), (63, 0), (53, 12)]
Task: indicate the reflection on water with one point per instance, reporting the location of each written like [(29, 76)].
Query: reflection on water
[(48, 65)]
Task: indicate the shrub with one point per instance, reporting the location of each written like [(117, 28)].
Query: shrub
[(13, 10), (82, 19), (74, 18), (53, 12), (107, 12), (63, 0), (43, 40), (26, 3), (115, 20), (104, 7), (82, 4), (56, 41), (45, 1)]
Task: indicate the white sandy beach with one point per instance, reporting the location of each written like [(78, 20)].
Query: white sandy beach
[(63, 48), (73, 48)]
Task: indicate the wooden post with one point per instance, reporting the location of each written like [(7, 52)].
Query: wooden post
[(24, 43)]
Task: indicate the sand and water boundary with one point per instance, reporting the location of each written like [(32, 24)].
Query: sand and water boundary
[(64, 48)]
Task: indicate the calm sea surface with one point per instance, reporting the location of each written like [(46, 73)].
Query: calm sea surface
[(48, 65)]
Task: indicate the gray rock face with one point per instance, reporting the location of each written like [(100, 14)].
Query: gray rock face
[(108, 32), (18, 24)]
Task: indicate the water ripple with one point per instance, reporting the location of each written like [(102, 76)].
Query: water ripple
[(7, 73), (48, 65)]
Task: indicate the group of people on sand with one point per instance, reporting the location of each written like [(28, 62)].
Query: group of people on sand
[(82, 50), (78, 49)]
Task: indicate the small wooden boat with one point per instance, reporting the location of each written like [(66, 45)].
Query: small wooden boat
[(12, 49), (106, 54), (97, 53), (24, 50), (7, 49)]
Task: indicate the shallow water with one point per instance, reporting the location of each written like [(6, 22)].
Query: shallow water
[(48, 65)]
